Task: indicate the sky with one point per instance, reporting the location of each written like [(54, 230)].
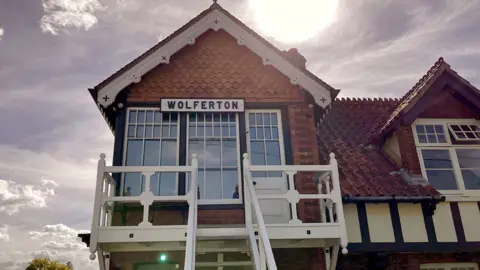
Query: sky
[(51, 51)]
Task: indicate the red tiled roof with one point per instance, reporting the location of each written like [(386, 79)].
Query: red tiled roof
[(364, 171), (417, 90)]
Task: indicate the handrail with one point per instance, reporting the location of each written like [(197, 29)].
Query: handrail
[(249, 223), (192, 218), (263, 235)]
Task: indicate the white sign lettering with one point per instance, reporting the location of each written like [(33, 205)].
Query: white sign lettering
[(202, 105)]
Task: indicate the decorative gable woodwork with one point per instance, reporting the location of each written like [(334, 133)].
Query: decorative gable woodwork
[(216, 67)]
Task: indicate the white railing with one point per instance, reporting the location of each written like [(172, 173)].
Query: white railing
[(328, 194), (263, 253), (105, 199)]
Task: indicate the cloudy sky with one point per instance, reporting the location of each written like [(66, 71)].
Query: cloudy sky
[(51, 51)]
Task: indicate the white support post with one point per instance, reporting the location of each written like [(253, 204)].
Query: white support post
[(263, 257), (146, 199), (192, 218), (97, 206), (338, 204), (321, 202), (248, 216), (334, 257)]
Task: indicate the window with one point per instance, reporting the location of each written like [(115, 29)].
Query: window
[(449, 266), (151, 140), (265, 140), (465, 132), (213, 136), (449, 154)]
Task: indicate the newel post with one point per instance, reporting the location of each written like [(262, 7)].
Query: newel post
[(96, 206), (245, 189), (338, 204)]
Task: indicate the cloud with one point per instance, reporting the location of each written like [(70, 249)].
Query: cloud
[(63, 14), (15, 196), (4, 234)]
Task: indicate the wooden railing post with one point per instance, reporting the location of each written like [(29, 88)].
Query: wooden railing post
[(97, 206), (336, 194), (192, 218)]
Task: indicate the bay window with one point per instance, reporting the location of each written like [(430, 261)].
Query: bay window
[(449, 153)]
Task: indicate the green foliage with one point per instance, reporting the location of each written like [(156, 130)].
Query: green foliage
[(47, 264)]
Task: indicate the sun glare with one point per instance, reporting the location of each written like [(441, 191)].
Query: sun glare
[(293, 21)]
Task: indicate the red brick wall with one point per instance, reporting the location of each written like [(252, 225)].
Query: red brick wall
[(217, 67), (444, 106)]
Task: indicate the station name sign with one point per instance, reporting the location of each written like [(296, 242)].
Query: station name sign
[(202, 105)]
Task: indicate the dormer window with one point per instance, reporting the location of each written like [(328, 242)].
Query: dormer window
[(449, 153)]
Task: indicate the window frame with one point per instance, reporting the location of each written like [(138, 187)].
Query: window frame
[(449, 266), (453, 195), (239, 162), (280, 131), (466, 139), (125, 142)]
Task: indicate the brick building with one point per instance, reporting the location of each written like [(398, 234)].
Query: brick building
[(230, 154)]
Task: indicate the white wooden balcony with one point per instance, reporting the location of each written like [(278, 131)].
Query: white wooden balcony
[(270, 205)]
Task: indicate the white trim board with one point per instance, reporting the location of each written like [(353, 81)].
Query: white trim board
[(215, 19)]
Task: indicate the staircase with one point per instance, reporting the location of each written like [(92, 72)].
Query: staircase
[(329, 233)]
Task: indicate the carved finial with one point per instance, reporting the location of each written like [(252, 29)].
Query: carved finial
[(103, 156), (245, 155), (93, 256), (194, 156), (344, 251), (332, 156)]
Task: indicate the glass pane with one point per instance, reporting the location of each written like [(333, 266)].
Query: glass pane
[(268, 133), (439, 128), (132, 184), (169, 153), (420, 128), (140, 131), (208, 117), (274, 133), (266, 119), (132, 117), (174, 117), (432, 138), (217, 117), (273, 153), (229, 153), (471, 178), (168, 184), (149, 117), (225, 132), (260, 133), (213, 182), (233, 131), (455, 127), (429, 128), (131, 131), (436, 159), (442, 180), (230, 184), (191, 131), (134, 153), (213, 154), (251, 119), (470, 135), (154, 184), (151, 153), (141, 117), (165, 131), (158, 117), (274, 119), (253, 133), (216, 131), (258, 153), (422, 138), (193, 117), (165, 117), (148, 131), (208, 130), (156, 131), (259, 119), (200, 131), (442, 139), (468, 158), (173, 131)]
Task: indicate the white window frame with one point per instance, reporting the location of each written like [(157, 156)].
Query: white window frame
[(452, 195), (125, 141), (466, 139), (448, 266), (280, 130), (239, 165)]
